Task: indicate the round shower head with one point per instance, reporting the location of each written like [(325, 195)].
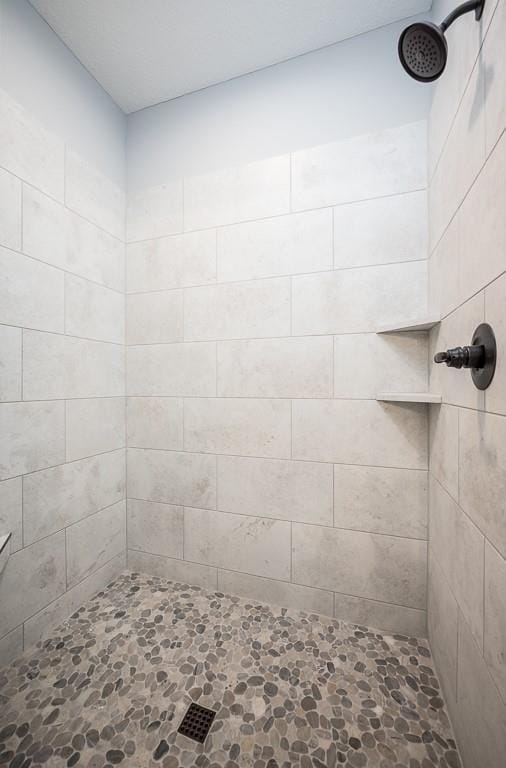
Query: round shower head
[(423, 51)]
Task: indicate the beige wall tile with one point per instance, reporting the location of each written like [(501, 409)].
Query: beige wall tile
[(172, 369), (284, 245), (172, 262), (94, 426), (444, 447), (381, 231), (11, 511), (92, 542), (93, 311), (156, 528), (175, 570), (155, 212), (173, 478), (93, 195), (155, 422), (292, 367), (495, 76), (495, 617), (10, 363), (385, 568), (443, 624), (57, 497), (495, 301), (285, 490), (384, 616), (155, 318), (258, 308), (10, 210), (381, 500), (358, 300), (239, 542), (244, 427), (231, 195), (374, 165), (32, 436), (11, 646), (275, 592), (360, 432)]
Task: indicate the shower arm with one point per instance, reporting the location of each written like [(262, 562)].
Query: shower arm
[(471, 5)]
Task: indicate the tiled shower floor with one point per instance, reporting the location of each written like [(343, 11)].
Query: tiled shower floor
[(111, 686)]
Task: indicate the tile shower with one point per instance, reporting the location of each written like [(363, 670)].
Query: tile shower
[(207, 502)]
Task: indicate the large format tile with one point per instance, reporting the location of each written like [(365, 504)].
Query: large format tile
[(92, 542), (285, 490), (358, 300), (360, 432), (57, 367), (32, 436), (172, 262), (173, 569), (384, 363), (384, 616), (41, 624), (443, 626), (37, 573), (489, 237), (28, 150), (93, 311), (156, 528), (172, 369), (459, 548), (374, 165), (94, 426), (495, 617), (173, 478), (381, 231), (291, 367), (60, 496), (246, 427), (483, 455), (155, 212), (444, 447), (93, 195), (155, 422), (11, 511), (11, 646), (385, 568), (495, 77), (155, 318), (480, 719), (258, 308), (276, 592), (381, 500), (283, 245), (58, 236), (495, 301), (231, 195), (10, 363), (238, 542), (10, 210), (31, 293)]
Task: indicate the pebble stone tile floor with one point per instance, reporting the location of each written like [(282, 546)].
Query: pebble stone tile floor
[(111, 685)]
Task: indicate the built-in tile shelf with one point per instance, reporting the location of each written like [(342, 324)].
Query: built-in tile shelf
[(411, 325), (408, 397), (5, 549)]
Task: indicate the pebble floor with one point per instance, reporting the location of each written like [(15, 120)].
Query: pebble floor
[(111, 685)]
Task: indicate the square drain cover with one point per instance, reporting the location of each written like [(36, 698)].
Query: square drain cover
[(196, 722)]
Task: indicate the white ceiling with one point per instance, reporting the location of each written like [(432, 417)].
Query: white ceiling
[(146, 51)]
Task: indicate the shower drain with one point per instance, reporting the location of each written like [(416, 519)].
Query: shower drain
[(196, 722)]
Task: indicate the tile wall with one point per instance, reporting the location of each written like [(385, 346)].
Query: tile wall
[(62, 379), (259, 461), (467, 573)]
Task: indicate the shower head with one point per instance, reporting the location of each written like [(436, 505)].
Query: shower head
[(423, 49)]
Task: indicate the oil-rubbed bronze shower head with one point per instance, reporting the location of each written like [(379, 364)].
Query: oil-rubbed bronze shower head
[(423, 49)]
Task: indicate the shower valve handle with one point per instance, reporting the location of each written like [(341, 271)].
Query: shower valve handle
[(462, 357)]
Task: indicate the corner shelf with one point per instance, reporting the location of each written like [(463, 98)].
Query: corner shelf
[(5, 550), (408, 397), (410, 325)]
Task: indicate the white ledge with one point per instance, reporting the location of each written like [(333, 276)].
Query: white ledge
[(5, 550), (410, 325), (409, 397)]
